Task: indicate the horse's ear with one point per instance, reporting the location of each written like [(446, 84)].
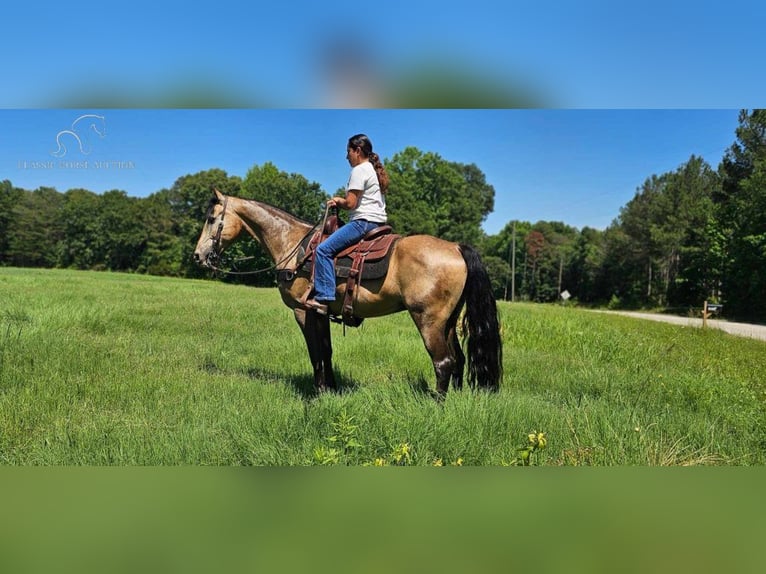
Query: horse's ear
[(218, 194)]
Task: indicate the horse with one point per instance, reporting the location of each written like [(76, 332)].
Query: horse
[(430, 278)]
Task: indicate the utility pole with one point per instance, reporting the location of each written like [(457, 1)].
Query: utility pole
[(561, 271), (512, 257), (513, 264)]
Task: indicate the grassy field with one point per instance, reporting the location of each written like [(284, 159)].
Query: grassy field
[(115, 369)]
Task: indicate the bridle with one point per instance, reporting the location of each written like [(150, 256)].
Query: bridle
[(215, 253), (214, 256)]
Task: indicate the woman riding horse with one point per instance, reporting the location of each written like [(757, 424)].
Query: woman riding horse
[(366, 202)]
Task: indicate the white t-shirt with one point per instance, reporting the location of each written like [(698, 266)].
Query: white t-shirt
[(372, 202)]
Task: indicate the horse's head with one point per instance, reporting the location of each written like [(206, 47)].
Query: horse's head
[(222, 226)]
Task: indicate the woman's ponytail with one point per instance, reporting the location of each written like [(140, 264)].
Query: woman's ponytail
[(380, 169)]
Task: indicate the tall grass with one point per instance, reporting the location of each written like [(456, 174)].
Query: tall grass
[(114, 369)]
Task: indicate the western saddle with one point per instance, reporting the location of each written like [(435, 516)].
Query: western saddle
[(369, 258)]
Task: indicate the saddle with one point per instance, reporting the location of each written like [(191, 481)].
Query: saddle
[(369, 258)]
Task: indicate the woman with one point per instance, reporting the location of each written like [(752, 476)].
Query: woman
[(366, 202)]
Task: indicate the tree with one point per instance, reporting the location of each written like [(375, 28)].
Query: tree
[(586, 262), (535, 246), (621, 278), (409, 209), (498, 271), (437, 197), (165, 253), (693, 262), (655, 258), (741, 206), (636, 259), (292, 192), (36, 229), (549, 250), (82, 243), (501, 246), (9, 197), (124, 230)]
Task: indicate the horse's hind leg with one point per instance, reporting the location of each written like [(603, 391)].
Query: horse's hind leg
[(443, 357)]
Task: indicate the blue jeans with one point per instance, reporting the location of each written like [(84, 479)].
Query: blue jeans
[(324, 268)]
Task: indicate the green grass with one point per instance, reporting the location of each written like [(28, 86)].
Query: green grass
[(115, 369)]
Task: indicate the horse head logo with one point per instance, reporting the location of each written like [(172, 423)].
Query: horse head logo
[(80, 132)]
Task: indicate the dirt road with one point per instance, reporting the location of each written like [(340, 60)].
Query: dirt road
[(739, 329)]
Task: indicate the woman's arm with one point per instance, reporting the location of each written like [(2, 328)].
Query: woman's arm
[(349, 202)]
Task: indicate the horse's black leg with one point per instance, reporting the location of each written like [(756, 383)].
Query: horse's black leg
[(325, 346), (316, 332), (308, 324)]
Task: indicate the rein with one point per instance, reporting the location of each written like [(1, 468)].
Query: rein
[(275, 267)]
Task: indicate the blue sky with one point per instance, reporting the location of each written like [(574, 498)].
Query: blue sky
[(575, 166), (585, 54)]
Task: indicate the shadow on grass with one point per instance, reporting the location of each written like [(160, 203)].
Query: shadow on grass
[(421, 387), (303, 384)]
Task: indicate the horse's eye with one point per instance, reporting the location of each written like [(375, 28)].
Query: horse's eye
[(211, 220)]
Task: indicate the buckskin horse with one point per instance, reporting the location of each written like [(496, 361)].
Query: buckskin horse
[(430, 278)]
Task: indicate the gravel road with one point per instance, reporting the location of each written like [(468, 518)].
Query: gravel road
[(739, 329)]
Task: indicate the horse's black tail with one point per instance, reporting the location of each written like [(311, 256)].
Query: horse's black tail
[(481, 326)]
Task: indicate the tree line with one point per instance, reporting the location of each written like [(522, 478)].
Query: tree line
[(697, 233)]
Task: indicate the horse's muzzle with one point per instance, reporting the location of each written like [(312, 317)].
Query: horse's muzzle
[(206, 262)]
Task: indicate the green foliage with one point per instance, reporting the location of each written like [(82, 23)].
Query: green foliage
[(35, 229), (82, 246), (431, 195), (583, 273), (164, 251), (343, 440), (291, 192), (499, 272), (655, 245), (536, 441), (9, 196), (742, 208), (544, 261)]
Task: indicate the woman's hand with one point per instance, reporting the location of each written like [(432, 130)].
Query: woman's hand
[(349, 202)]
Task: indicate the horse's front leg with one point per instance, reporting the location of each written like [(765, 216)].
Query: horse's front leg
[(316, 332)]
